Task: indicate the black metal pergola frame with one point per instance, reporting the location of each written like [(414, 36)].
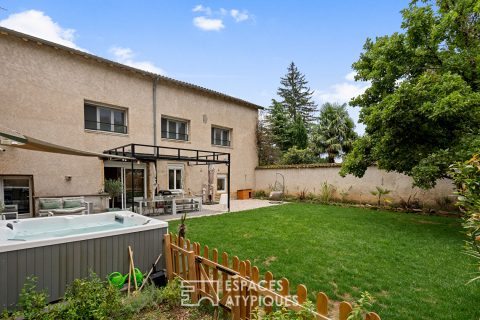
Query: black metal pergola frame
[(152, 153)]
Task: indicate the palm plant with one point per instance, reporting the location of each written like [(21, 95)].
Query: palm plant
[(334, 134)]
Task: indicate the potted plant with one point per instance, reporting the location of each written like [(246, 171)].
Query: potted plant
[(114, 188), (2, 206)]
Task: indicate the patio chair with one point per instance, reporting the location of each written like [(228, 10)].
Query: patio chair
[(9, 212)]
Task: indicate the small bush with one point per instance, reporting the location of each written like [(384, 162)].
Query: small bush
[(171, 293), (90, 298), (282, 313), (31, 301), (260, 194), (302, 195), (326, 192)]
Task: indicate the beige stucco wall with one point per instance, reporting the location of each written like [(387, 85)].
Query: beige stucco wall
[(311, 179), (42, 94)]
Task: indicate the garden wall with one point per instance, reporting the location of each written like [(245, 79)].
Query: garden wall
[(311, 177)]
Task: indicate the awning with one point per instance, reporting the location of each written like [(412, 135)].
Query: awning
[(12, 138)]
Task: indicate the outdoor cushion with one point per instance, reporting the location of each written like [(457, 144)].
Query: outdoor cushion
[(52, 203), (72, 210), (72, 203)]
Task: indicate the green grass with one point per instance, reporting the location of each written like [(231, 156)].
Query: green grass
[(413, 265)]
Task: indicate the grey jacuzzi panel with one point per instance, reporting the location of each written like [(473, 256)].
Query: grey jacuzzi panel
[(57, 265)]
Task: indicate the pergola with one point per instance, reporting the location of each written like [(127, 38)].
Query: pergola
[(151, 153)]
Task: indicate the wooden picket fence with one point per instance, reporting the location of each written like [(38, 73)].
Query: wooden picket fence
[(237, 286)]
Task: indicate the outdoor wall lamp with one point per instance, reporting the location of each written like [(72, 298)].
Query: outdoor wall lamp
[(68, 178)]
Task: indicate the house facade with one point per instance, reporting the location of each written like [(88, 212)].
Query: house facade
[(81, 101)]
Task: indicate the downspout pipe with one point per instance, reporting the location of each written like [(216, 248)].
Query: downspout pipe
[(154, 105)]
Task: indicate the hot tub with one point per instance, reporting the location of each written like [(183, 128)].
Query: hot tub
[(58, 250)]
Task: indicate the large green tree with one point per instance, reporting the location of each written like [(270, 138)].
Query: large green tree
[(297, 97), (334, 134), (422, 110), (290, 118)]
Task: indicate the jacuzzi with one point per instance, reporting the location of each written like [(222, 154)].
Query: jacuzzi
[(59, 249)]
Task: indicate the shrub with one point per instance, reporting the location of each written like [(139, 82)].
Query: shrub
[(361, 306), (412, 202), (282, 313), (31, 301), (302, 195), (326, 192), (260, 194), (170, 294), (467, 178), (148, 299), (90, 298), (379, 192)]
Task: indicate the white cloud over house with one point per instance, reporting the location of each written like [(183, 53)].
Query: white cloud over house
[(126, 56), (38, 24), (214, 20)]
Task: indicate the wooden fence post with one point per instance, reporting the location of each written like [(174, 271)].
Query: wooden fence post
[(344, 310), (192, 274), (168, 256), (322, 304), (236, 296)]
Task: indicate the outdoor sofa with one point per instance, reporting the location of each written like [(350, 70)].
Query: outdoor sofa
[(64, 205)]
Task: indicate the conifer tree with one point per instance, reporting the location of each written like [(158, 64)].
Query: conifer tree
[(297, 97)]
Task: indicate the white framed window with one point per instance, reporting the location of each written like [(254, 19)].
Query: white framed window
[(175, 176), (221, 183), (174, 129), (105, 119), (221, 136)]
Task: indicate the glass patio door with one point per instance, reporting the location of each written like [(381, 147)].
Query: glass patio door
[(17, 190), (138, 184), (123, 171)]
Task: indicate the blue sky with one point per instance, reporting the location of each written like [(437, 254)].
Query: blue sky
[(241, 48)]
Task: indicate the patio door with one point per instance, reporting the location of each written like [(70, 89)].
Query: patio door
[(17, 190), (123, 172)]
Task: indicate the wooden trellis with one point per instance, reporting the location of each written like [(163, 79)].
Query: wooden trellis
[(236, 286)]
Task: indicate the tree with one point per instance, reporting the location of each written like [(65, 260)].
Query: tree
[(297, 132), (422, 110), (268, 152), (299, 156), (297, 96), (114, 188), (279, 125), (334, 134)]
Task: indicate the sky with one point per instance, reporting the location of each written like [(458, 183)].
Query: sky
[(240, 48)]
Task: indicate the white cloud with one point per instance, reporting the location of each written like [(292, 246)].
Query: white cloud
[(201, 8), (213, 20), (351, 76), (208, 24), (37, 24), (342, 93), (238, 15), (126, 55)]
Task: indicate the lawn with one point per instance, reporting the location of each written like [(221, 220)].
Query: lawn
[(413, 265)]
